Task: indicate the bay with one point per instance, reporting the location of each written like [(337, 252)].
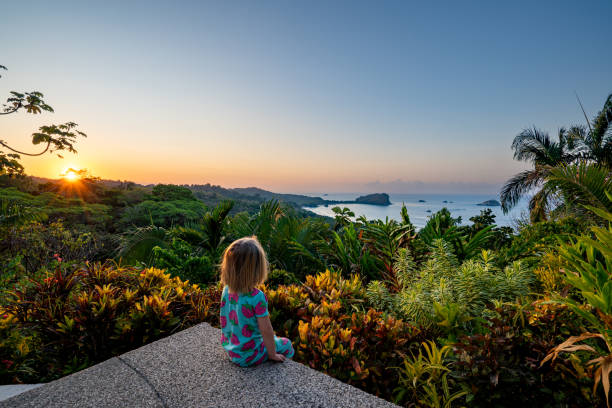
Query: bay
[(460, 205)]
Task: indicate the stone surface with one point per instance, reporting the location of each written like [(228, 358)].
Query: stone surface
[(8, 391), (190, 369), (108, 384)]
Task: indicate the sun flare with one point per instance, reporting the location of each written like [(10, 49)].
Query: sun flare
[(71, 175)]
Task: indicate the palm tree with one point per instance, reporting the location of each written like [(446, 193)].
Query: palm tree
[(206, 236), (535, 146), (209, 233), (343, 217), (594, 144), (582, 185)]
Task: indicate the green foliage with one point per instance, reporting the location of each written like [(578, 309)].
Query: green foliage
[(171, 192), (278, 277), (136, 246), (348, 253), (588, 262), (465, 245), (581, 185), (50, 241), (500, 366), (163, 213), (15, 213), (52, 206), (384, 239), (342, 216), (424, 378), (444, 291), (291, 242), (93, 313), (180, 259), (332, 335)]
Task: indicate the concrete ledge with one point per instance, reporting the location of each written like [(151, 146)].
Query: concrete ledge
[(8, 391), (190, 369)]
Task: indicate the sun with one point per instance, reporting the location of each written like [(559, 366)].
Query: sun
[(71, 174)]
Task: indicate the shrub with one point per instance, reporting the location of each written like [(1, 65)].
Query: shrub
[(472, 286), (424, 378), (278, 277), (501, 366), (359, 349), (99, 311), (331, 332), (182, 260), (38, 243)]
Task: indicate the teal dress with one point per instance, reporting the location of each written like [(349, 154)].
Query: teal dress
[(240, 335)]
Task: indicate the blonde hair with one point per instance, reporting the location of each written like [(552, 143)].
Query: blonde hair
[(244, 265)]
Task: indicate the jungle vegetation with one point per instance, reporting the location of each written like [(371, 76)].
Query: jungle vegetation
[(448, 315)]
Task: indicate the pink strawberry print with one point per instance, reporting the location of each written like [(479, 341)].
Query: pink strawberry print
[(249, 345), (284, 341), (233, 298), (261, 347), (248, 311), (222, 302), (233, 355), (261, 360), (247, 330), (260, 308), (235, 340), (233, 316), (251, 357), (223, 321), (224, 340), (254, 292)]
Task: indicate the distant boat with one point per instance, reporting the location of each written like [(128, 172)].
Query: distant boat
[(421, 201), (428, 211)]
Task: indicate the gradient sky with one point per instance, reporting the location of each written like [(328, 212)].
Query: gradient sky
[(304, 96)]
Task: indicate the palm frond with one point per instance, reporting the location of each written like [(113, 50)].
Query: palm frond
[(137, 246), (519, 185), (583, 184)]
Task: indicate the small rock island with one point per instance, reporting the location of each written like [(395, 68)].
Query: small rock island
[(490, 203), (374, 199)]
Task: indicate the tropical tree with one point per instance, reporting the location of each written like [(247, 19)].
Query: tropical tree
[(210, 232), (54, 138), (582, 186), (593, 142), (538, 148), (290, 241), (442, 225), (343, 217), (588, 269)]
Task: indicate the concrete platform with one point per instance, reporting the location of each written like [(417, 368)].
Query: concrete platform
[(8, 391), (190, 369)]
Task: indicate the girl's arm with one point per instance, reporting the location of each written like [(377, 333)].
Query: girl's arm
[(265, 327)]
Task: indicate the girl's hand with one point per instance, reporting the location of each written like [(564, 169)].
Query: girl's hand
[(277, 357)]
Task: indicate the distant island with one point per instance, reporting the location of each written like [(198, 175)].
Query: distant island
[(374, 199), (490, 203)]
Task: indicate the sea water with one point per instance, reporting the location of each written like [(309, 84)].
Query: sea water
[(421, 206)]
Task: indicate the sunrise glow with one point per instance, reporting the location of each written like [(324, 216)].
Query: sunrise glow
[(71, 174)]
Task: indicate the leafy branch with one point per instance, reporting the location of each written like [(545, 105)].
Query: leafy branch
[(52, 137)]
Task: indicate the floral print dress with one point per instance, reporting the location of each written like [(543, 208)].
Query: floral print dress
[(240, 335)]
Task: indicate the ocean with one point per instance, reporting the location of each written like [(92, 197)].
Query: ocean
[(460, 205)]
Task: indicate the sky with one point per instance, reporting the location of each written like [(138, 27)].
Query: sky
[(310, 96)]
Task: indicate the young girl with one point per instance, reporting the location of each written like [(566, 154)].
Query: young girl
[(246, 330)]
